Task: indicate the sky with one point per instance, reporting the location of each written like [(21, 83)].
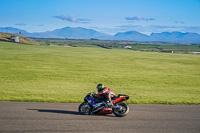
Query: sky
[(106, 16)]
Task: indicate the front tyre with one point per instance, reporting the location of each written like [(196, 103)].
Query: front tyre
[(85, 108), (122, 110)]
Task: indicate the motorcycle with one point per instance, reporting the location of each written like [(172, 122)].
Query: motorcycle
[(89, 106)]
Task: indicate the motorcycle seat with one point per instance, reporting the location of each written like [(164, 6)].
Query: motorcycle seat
[(119, 95)]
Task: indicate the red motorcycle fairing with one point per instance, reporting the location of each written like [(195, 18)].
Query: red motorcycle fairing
[(105, 111), (119, 99)]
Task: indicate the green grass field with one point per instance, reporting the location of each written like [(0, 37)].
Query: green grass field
[(36, 73)]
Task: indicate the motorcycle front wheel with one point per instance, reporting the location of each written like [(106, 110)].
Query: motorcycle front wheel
[(122, 110), (85, 108)]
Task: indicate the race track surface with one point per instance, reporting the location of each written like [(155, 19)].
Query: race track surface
[(21, 117)]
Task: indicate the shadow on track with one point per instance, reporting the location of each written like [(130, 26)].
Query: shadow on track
[(57, 111), (66, 112)]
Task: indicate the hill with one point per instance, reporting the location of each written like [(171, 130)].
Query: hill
[(24, 40)]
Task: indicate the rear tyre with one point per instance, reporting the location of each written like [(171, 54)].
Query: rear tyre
[(122, 111), (85, 108)]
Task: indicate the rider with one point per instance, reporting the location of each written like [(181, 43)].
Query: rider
[(105, 94)]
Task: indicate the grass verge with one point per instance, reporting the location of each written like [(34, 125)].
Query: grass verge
[(65, 74)]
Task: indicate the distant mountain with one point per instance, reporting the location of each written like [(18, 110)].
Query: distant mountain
[(12, 30), (83, 33), (73, 33), (176, 37), (132, 36)]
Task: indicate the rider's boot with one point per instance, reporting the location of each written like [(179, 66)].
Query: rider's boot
[(109, 102)]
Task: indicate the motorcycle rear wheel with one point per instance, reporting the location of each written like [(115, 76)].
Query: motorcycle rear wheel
[(85, 108), (123, 111)]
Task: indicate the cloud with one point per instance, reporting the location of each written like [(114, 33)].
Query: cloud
[(40, 25), (67, 18), (72, 19), (21, 24), (138, 18)]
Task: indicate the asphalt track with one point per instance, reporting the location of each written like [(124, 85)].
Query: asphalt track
[(24, 117)]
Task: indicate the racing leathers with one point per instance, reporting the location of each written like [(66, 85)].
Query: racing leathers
[(106, 94)]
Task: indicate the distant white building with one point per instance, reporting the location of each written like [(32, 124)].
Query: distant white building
[(127, 47), (14, 38), (195, 53)]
